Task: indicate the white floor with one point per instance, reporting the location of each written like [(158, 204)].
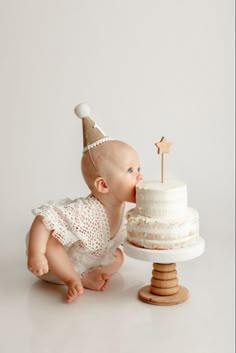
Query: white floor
[(35, 318)]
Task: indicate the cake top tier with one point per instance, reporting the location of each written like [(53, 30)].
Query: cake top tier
[(157, 199)]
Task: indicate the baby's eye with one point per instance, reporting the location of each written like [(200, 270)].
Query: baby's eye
[(139, 170), (130, 170)]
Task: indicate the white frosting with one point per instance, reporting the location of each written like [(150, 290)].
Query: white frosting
[(161, 218), (165, 200), (158, 234), (163, 244)]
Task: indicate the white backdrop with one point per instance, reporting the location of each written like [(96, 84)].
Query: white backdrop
[(148, 68)]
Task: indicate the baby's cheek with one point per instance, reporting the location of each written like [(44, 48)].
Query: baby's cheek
[(133, 193)]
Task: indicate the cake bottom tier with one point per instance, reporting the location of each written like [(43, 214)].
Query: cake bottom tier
[(151, 233)]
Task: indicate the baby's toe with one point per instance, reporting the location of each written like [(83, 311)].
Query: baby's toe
[(70, 295), (68, 298)]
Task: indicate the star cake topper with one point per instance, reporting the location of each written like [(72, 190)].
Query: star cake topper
[(163, 147)]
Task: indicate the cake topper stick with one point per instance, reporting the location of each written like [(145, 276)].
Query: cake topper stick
[(163, 147)]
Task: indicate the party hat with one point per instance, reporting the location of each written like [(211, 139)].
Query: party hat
[(92, 133)]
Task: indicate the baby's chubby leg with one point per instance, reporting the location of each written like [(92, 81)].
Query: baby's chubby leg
[(98, 278), (45, 251), (60, 265), (38, 238)]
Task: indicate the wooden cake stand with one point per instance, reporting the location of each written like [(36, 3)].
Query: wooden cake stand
[(164, 288)]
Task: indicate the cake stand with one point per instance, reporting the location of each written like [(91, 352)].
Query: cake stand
[(164, 288)]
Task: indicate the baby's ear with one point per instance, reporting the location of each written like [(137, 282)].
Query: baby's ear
[(101, 185)]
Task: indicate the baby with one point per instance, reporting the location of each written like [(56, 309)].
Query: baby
[(78, 241)]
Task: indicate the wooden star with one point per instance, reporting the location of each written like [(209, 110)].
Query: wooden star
[(163, 146)]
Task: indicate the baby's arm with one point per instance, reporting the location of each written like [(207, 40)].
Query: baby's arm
[(38, 238), (45, 251)]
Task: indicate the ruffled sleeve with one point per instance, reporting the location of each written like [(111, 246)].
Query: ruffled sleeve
[(82, 221), (58, 217)]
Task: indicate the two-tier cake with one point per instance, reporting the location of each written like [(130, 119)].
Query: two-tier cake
[(162, 219)]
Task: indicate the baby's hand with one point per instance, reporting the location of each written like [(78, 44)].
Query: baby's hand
[(38, 264)]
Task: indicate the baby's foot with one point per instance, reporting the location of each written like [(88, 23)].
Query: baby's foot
[(75, 288), (95, 280), (38, 264)]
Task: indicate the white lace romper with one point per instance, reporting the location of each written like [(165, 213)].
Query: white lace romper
[(82, 226)]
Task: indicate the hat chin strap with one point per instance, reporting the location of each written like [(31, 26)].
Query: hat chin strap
[(96, 143), (93, 162)]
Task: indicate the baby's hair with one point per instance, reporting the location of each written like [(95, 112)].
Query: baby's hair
[(95, 162)]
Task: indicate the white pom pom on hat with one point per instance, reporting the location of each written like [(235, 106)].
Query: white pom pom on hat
[(92, 134), (82, 110)]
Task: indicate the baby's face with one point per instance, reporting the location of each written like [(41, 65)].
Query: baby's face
[(123, 173)]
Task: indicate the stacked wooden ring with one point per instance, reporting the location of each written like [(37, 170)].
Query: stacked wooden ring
[(164, 279)]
